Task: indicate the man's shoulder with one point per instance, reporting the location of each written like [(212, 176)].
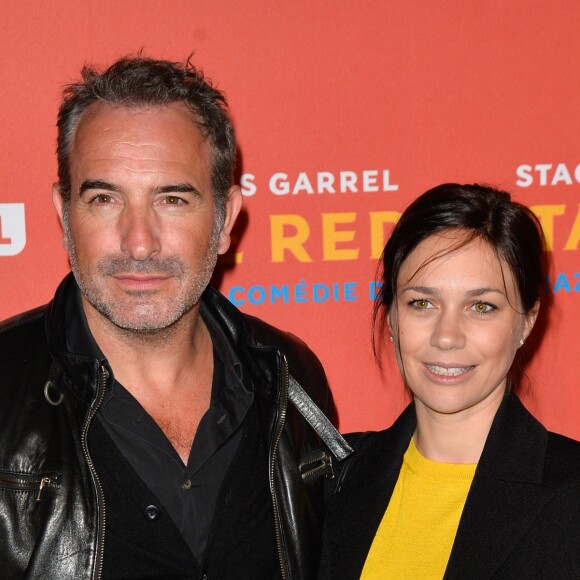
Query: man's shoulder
[(24, 326), (24, 354)]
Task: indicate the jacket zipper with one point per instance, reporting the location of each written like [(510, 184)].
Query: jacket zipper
[(28, 482), (103, 376), (278, 434)]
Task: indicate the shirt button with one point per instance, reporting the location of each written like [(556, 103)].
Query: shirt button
[(152, 512), (186, 484)]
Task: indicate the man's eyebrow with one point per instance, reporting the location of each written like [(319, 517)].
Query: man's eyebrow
[(96, 184), (106, 186), (178, 188)]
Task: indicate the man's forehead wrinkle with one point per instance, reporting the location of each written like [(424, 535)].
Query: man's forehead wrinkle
[(135, 170), (114, 145), (130, 158), (110, 152), (116, 162)]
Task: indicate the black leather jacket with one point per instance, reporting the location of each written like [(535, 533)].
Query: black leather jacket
[(52, 510)]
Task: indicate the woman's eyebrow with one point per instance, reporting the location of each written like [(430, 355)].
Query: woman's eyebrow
[(434, 292)]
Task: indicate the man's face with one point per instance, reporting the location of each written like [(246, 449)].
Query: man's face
[(140, 227)]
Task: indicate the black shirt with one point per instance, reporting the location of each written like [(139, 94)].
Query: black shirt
[(187, 492)]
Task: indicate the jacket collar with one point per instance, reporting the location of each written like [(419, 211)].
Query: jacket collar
[(505, 497), (363, 490), (231, 321), (515, 448), (73, 347), (256, 346), (65, 321)]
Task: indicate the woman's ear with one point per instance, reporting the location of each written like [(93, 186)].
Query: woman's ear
[(530, 319), (392, 323)]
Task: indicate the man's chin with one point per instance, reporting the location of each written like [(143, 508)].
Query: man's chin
[(140, 315), (143, 324)]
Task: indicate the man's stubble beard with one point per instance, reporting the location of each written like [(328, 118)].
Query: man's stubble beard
[(148, 322)]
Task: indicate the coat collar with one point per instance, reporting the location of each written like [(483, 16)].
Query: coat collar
[(65, 328), (360, 497), (73, 347), (505, 497)]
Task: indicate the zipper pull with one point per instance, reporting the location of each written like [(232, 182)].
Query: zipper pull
[(43, 483)]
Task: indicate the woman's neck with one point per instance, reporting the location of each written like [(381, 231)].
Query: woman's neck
[(455, 437)]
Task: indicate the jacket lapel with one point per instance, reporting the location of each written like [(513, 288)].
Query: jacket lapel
[(506, 494), (371, 475)]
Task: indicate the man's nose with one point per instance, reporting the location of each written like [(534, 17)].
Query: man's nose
[(140, 232), (448, 332)]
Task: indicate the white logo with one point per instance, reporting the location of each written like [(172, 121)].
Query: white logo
[(12, 229)]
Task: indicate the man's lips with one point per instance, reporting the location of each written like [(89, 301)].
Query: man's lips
[(141, 281)]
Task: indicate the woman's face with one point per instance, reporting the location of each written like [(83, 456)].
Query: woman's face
[(457, 325)]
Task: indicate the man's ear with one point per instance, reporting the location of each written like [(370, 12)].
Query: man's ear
[(59, 206), (233, 207)]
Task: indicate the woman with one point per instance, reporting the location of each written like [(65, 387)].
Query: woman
[(466, 483)]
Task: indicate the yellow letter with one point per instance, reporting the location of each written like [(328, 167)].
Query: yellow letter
[(574, 237), (378, 220), (546, 215), (295, 243), (331, 237)]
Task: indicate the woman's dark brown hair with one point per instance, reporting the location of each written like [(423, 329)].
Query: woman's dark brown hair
[(510, 228)]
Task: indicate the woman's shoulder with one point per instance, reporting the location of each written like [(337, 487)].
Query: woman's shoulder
[(363, 440), (367, 447), (562, 465), (388, 441), (403, 427), (375, 453)]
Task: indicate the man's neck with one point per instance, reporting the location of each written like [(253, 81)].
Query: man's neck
[(160, 359), (170, 373)]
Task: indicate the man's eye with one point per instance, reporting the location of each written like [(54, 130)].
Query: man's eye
[(173, 200), (102, 198)]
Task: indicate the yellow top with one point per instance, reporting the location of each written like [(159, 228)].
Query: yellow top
[(416, 534)]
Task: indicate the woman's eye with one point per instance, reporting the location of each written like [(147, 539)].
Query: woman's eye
[(420, 304), (483, 307)]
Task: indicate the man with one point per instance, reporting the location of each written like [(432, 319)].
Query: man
[(148, 429)]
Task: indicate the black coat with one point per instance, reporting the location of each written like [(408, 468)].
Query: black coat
[(522, 514), (52, 508)]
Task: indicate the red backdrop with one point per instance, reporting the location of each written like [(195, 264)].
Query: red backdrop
[(345, 112)]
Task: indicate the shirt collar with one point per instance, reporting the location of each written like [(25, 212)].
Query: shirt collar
[(80, 340)]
